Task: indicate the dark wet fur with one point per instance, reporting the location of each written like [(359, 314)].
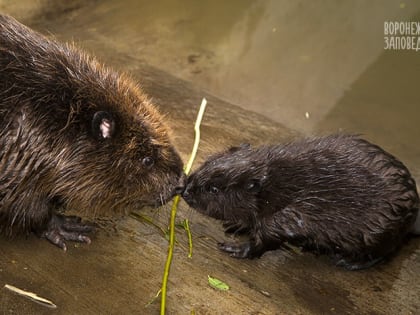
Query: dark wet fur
[(338, 195), (74, 133)]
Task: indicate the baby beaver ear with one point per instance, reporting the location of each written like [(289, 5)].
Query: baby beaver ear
[(103, 125)]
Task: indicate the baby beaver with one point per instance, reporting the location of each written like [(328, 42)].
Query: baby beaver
[(338, 195), (74, 133)]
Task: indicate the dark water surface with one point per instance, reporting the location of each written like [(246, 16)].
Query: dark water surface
[(313, 66), (281, 58)]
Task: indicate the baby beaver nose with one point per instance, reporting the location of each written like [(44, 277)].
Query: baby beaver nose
[(185, 193), (188, 196)]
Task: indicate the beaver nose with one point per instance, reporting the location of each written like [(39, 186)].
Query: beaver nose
[(179, 190), (180, 187), (188, 196)]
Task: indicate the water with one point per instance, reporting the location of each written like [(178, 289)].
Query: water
[(293, 61), (312, 66)]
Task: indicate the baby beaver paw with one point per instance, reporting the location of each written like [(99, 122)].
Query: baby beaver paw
[(61, 228), (243, 250), (357, 265)]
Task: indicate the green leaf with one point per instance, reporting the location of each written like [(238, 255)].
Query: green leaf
[(218, 284)]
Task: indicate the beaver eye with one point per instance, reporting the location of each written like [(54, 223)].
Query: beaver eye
[(253, 186), (148, 161), (213, 189)]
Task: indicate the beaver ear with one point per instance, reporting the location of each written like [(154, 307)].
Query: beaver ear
[(103, 125)]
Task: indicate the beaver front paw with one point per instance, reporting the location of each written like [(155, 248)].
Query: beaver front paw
[(243, 250), (61, 228), (357, 265)]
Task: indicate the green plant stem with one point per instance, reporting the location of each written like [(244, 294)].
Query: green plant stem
[(174, 208), (190, 245), (170, 255)]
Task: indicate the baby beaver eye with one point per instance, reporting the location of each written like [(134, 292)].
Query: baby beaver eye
[(148, 161), (253, 186), (213, 189)]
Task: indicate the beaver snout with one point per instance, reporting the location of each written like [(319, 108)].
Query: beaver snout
[(186, 193), (179, 190), (188, 196), (180, 187)]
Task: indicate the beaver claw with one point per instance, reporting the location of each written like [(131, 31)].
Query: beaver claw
[(61, 228), (237, 250), (354, 265)]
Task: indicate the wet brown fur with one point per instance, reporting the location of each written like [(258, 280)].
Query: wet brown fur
[(49, 93)]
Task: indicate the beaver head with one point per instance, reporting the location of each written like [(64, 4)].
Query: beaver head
[(75, 130), (227, 185)]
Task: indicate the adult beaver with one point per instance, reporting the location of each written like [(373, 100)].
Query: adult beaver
[(339, 195), (73, 132)]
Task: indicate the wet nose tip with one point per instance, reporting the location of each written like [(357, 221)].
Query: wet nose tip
[(185, 193), (179, 189)]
